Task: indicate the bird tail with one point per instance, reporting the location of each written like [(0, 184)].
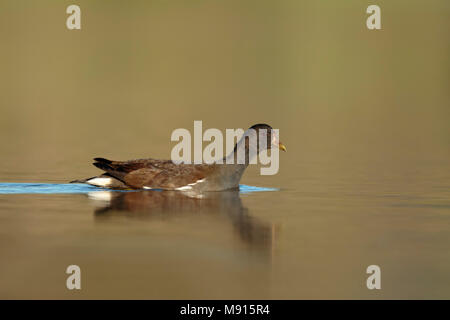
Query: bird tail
[(81, 180)]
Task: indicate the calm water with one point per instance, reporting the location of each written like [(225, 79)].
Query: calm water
[(364, 116), (311, 239)]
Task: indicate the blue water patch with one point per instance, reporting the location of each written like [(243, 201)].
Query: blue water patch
[(46, 188), (54, 188), (249, 189)]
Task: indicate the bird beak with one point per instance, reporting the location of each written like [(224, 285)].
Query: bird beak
[(282, 147)]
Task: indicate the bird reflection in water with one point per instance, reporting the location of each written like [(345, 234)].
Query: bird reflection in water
[(164, 205)]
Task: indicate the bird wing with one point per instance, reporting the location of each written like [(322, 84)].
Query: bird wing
[(152, 173)]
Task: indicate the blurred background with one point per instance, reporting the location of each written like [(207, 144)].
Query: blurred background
[(363, 113)]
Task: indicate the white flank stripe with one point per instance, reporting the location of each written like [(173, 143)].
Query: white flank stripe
[(198, 181), (184, 188), (189, 186)]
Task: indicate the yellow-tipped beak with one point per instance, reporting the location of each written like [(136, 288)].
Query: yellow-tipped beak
[(282, 147)]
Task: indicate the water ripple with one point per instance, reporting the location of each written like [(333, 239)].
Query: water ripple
[(54, 188)]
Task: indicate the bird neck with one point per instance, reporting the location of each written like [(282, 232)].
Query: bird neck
[(243, 153), (237, 161)]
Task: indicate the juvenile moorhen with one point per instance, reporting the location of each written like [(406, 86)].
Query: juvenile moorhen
[(166, 175)]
